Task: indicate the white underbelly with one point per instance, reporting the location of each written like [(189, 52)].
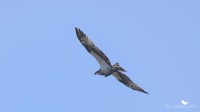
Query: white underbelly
[(105, 70), (103, 65)]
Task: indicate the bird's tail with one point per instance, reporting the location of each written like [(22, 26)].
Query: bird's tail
[(117, 67)]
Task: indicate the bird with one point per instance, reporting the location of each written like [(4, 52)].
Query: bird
[(184, 102), (106, 69)]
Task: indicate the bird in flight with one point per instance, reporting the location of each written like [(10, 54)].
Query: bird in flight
[(106, 69)]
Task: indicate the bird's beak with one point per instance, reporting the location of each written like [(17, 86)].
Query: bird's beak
[(95, 73)]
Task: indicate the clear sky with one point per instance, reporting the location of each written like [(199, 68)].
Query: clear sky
[(44, 68)]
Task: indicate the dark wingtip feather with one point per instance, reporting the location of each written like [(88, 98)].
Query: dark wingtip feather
[(141, 90), (79, 33), (145, 92), (76, 29)]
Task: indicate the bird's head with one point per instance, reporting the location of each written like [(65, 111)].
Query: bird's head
[(97, 72)]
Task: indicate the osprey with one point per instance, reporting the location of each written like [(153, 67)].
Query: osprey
[(106, 69)]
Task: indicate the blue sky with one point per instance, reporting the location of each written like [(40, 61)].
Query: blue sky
[(44, 68)]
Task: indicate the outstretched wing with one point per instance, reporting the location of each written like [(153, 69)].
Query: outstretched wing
[(127, 81), (93, 50)]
